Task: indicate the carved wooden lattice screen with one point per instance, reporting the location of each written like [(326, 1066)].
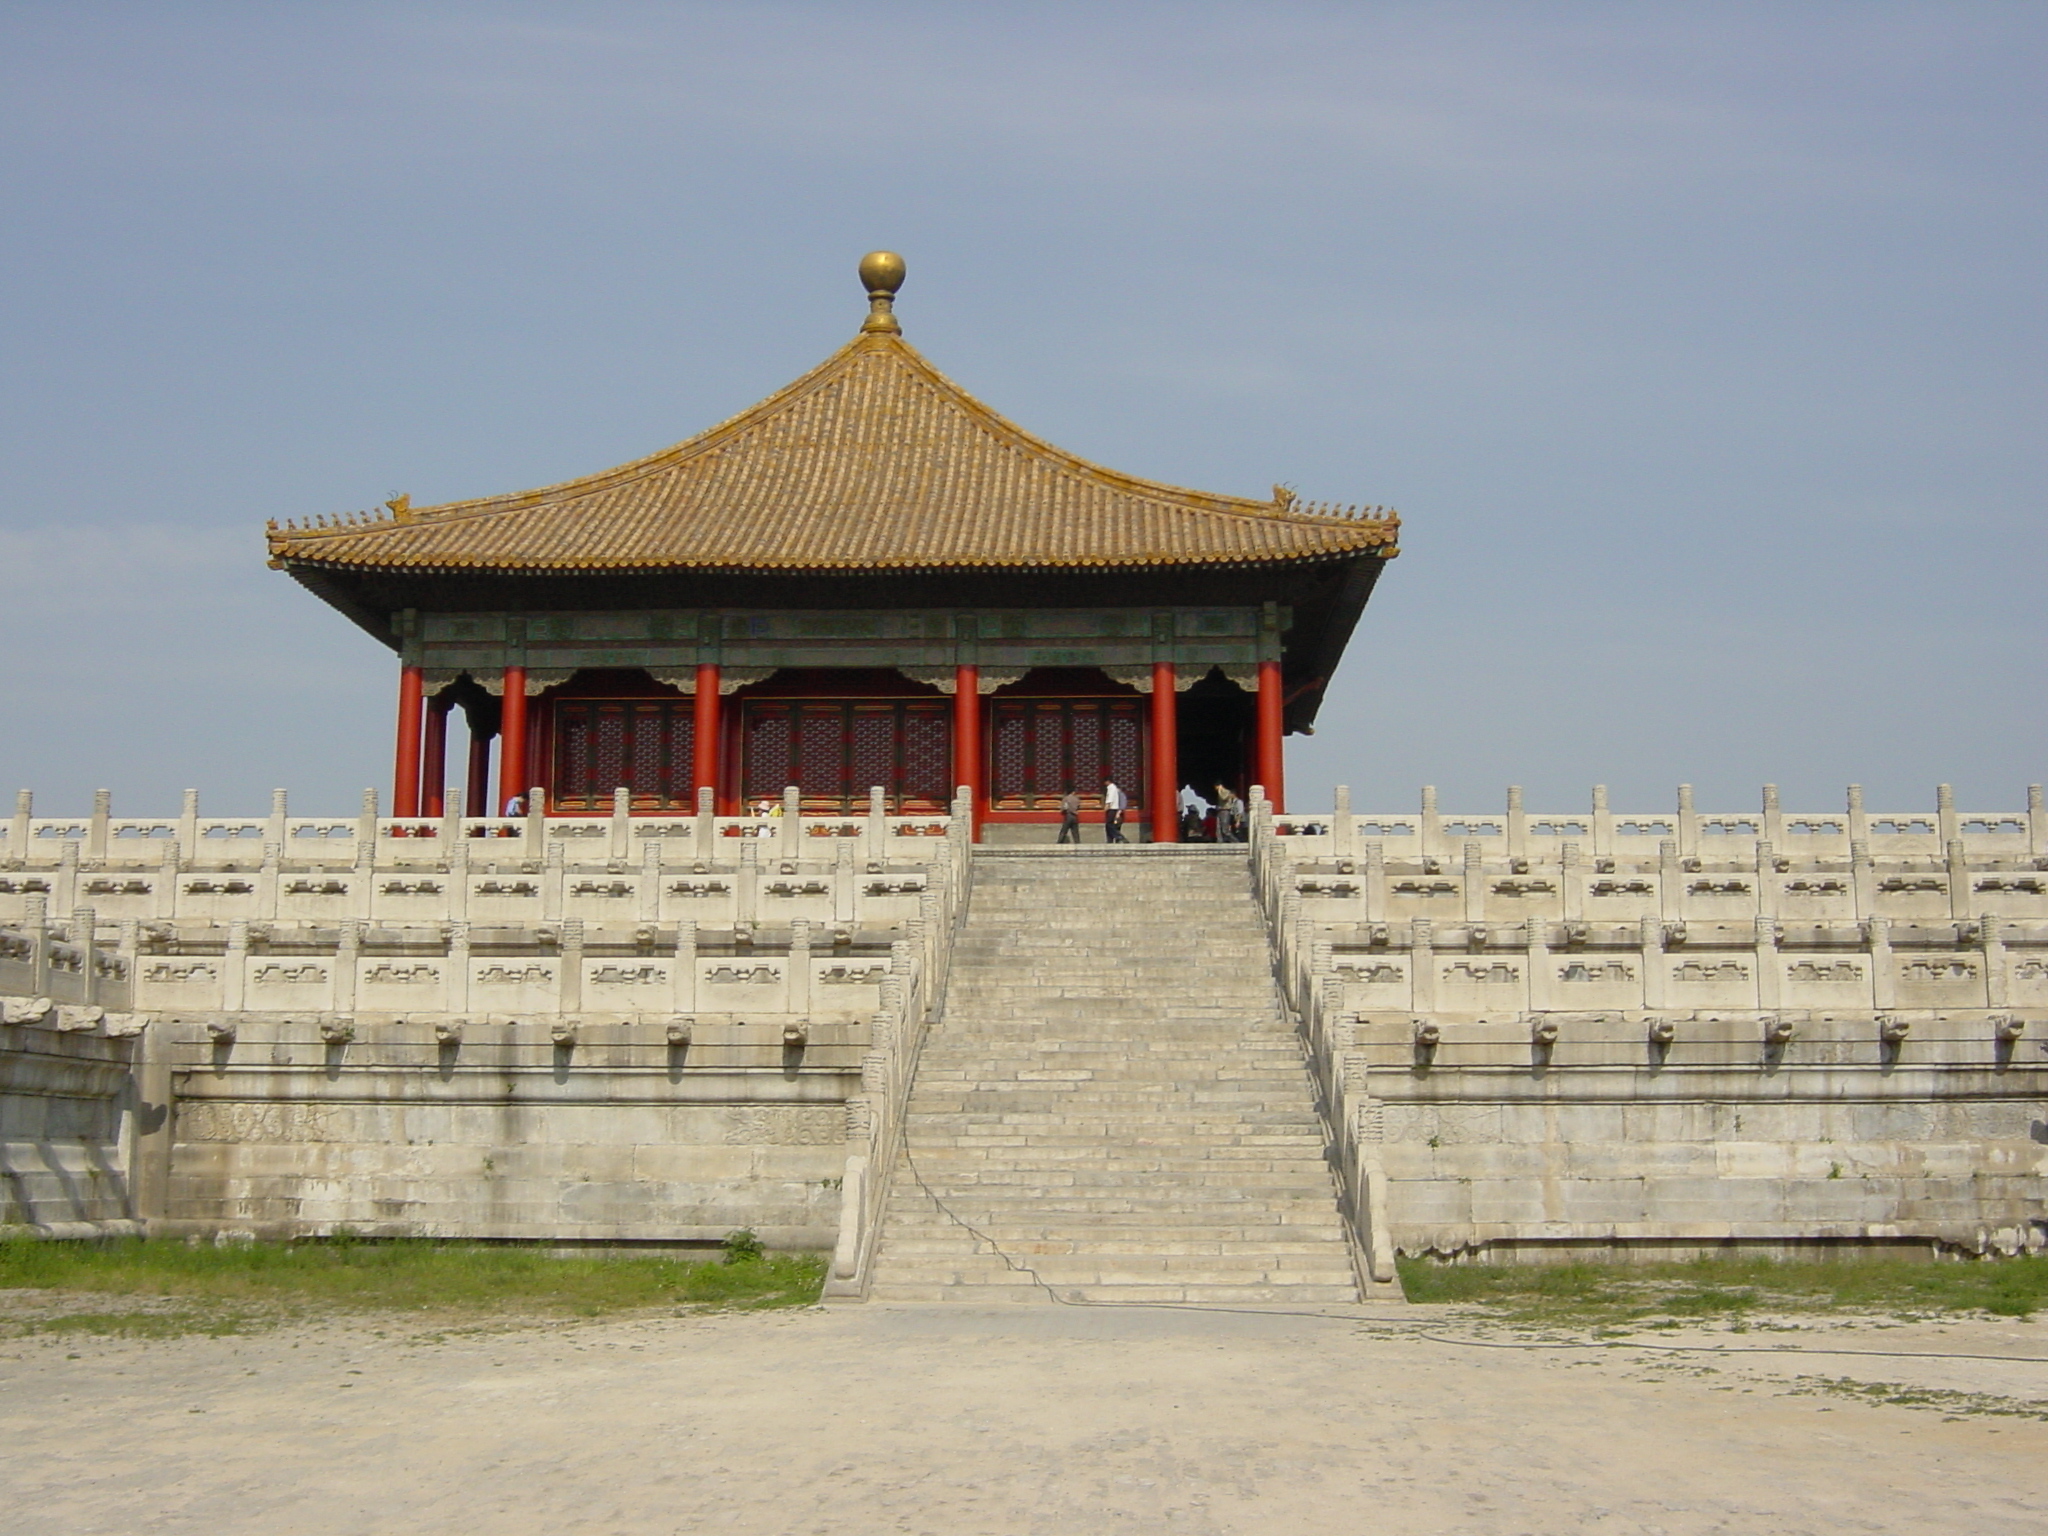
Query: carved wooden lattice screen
[(642, 744), (833, 750), (1040, 748)]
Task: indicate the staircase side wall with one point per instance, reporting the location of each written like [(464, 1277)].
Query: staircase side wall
[(624, 1030), (1678, 1044)]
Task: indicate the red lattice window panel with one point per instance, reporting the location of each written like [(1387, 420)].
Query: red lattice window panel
[(767, 742), (572, 753), (821, 751), (927, 757), (873, 748), (608, 755), (1009, 757), (1051, 773), (1125, 758), (1084, 747)]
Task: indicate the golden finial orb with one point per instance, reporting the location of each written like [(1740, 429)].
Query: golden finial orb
[(881, 272)]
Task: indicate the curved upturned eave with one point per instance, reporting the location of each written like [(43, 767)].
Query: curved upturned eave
[(1385, 549)]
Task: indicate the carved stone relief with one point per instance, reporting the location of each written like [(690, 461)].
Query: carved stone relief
[(786, 1125), (1466, 970)]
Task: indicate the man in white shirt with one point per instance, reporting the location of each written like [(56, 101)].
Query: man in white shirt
[(1113, 806)]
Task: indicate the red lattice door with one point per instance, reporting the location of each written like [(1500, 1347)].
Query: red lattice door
[(1041, 748), (642, 745), (834, 750)]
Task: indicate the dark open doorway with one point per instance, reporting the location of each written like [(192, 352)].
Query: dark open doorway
[(1216, 722)]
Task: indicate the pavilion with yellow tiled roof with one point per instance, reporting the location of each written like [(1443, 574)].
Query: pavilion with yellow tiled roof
[(862, 580)]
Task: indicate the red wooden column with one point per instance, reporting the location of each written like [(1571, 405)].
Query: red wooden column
[(1267, 759), (1165, 791), (405, 789), (704, 736), (434, 758), (512, 740), (967, 740)]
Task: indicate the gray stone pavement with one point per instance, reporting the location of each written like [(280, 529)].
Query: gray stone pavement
[(959, 1420)]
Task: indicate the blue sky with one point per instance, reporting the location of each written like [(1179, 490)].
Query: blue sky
[(1700, 345)]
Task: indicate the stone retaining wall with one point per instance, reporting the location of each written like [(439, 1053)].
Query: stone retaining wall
[(587, 1029), (67, 1106), (1666, 1033)]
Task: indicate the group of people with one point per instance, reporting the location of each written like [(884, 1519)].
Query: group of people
[(1200, 820)]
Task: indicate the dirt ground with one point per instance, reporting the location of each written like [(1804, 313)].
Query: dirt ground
[(1029, 1420)]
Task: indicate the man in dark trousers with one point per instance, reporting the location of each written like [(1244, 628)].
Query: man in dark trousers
[(1114, 804), (1070, 817)]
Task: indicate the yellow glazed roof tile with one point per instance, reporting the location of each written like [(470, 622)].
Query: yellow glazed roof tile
[(874, 460)]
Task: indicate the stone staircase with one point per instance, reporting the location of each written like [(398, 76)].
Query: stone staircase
[(1113, 1098)]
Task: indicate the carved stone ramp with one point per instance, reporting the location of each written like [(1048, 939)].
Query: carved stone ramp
[(1113, 1105)]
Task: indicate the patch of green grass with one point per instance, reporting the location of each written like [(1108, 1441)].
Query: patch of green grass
[(1893, 1394), (1613, 1294), (409, 1275)]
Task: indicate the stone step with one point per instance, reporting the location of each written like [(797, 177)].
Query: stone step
[(1186, 1205), (1050, 942), (1280, 1134), (1051, 1074), (1002, 1183), (1189, 998), (1015, 1030), (1110, 1116), (933, 1242), (1276, 1133), (1121, 1125), (1153, 1051), (1172, 1189), (1094, 1264), (1201, 1074), (979, 1290), (970, 1069), (1275, 1206), (1290, 1137), (1137, 1282), (1101, 1101), (960, 1166), (1153, 1041), (1093, 904), (1058, 1141), (958, 1061), (930, 1242), (1114, 1237), (1061, 1142), (1108, 1098), (1116, 1097)]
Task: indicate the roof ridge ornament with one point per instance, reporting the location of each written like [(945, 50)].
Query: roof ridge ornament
[(882, 273)]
